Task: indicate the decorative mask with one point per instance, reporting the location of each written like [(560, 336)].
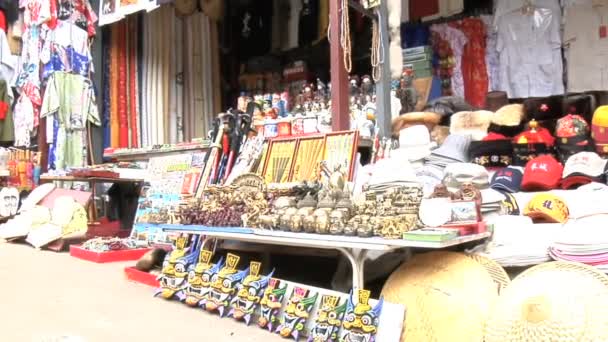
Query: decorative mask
[(249, 294), (361, 320), (328, 321), (175, 268), (296, 313), (271, 303), (224, 285), (199, 279)]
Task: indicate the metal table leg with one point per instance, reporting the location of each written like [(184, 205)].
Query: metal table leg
[(356, 258)]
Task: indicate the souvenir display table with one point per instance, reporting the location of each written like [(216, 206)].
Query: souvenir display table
[(353, 248)]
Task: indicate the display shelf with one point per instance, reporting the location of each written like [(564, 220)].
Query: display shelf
[(353, 248), (317, 240), (145, 154)]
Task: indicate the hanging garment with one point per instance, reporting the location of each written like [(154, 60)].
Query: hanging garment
[(134, 129), (105, 109), (173, 85), (7, 127), (529, 47), (71, 98), (457, 40), (123, 118), (144, 82), (586, 39), (474, 70), (114, 76), (78, 12), (492, 60)]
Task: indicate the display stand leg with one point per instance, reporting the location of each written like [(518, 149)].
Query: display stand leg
[(357, 261)]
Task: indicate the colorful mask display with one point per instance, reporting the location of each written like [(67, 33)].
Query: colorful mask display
[(249, 294), (328, 321), (296, 313), (224, 285), (361, 320), (175, 268), (199, 279), (271, 303)]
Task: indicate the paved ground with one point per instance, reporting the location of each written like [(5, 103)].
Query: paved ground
[(45, 296)]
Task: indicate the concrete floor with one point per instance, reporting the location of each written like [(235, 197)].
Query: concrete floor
[(51, 297)]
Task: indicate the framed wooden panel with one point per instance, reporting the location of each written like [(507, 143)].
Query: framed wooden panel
[(308, 156), (340, 149), (279, 162)]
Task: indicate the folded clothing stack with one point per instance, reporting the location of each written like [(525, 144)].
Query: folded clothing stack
[(585, 241), (509, 249)]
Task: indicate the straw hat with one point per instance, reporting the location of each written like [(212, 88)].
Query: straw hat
[(556, 301), (448, 296)]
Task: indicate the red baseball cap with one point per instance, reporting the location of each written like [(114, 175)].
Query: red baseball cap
[(494, 136), (542, 173)]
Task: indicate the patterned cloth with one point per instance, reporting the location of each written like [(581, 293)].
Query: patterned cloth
[(457, 40), (492, 61), (70, 100), (78, 12), (474, 71)]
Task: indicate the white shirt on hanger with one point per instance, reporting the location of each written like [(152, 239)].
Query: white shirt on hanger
[(529, 46), (586, 40)]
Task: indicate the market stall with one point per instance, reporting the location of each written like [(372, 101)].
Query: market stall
[(374, 131)]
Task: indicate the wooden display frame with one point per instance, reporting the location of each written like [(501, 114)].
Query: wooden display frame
[(314, 158), (349, 153), (286, 165)]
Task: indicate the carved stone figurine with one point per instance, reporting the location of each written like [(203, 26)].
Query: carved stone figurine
[(337, 221)]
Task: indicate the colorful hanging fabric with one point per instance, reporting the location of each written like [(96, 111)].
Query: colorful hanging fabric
[(71, 99), (474, 70), (114, 120), (123, 119), (133, 80), (107, 60), (145, 70), (78, 12)]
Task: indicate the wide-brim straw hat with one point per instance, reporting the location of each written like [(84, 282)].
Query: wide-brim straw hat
[(556, 301), (448, 296)]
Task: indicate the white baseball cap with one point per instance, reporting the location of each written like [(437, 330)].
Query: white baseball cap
[(583, 168)]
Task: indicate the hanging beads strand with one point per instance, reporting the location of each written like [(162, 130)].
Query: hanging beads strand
[(345, 37)]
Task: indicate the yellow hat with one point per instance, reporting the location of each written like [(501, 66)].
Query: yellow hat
[(547, 208), (600, 117)]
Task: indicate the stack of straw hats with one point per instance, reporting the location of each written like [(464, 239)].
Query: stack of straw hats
[(556, 301), (448, 296)]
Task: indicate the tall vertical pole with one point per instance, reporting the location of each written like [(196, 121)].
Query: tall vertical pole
[(339, 77), (383, 86)]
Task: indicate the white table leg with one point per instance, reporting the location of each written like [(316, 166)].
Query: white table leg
[(356, 258)]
